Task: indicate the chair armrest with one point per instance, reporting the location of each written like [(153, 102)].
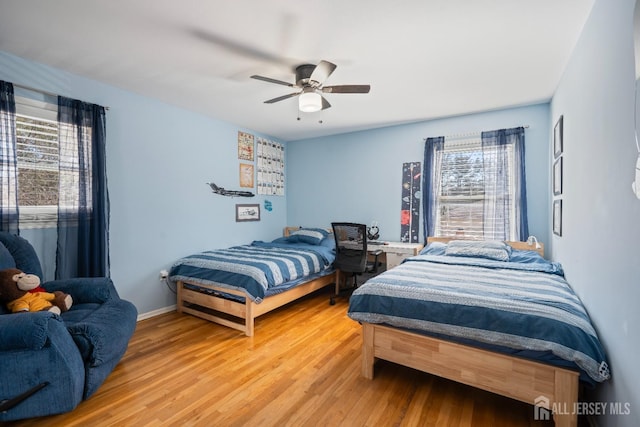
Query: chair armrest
[(105, 334), (28, 331), (85, 289)]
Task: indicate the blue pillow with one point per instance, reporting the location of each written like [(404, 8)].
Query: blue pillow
[(489, 249), (434, 248), (311, 236)]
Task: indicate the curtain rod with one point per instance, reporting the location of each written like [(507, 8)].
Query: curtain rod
[(44, 92), (469, 134)]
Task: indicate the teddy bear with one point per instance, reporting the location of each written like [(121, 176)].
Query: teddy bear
[(14, 292)]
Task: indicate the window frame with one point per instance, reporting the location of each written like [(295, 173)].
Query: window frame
[(472, 145)]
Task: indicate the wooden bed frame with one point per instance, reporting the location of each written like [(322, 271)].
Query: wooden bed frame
[(531, 382), (241, 315)]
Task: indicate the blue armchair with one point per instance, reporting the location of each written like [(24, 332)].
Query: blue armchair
[(49, 363)]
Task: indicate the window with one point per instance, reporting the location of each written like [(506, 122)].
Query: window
[(467, 192), (53, 150), (37, 161)]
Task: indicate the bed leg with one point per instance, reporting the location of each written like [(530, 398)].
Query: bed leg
[(368, 359), (248, 318), (566, 396), (179, 296)]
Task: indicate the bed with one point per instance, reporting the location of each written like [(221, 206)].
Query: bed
[(233, 286), (505, 321)]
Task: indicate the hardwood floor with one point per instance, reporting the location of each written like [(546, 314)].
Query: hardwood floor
[(302, 368)]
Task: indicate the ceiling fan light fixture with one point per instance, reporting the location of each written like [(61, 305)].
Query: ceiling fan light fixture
[(309, 101)]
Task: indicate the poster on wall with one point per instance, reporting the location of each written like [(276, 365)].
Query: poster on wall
[(245, 146), (270, 167), (410, 206), (246, 175)]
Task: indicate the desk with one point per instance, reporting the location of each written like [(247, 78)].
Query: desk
[(393, 253)]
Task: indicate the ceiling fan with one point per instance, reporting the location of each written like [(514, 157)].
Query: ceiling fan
[(309, 81)]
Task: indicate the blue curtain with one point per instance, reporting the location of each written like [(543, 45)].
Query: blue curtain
[(430, 186), (83, 205), (498, 199), (9, 214), (496, 184)]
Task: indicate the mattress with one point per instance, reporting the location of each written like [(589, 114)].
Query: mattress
[(258, 270)]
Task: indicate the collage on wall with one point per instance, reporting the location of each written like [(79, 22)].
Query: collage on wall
[(410, 207), (557, 176), (261, 166)]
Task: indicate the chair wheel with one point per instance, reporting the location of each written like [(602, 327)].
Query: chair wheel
[(332, 301)]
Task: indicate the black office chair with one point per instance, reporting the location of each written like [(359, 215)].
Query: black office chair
[(351, 251)]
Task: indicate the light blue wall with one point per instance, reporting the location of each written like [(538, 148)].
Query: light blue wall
[(158, 160), (358, 176), (601, 216)]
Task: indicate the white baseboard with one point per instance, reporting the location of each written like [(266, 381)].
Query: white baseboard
[(157, 312)]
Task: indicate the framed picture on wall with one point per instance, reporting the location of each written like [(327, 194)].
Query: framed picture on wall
[(557, 177), (245, 146), (247, 212), (246, 175), (557, 217), (557, 137)]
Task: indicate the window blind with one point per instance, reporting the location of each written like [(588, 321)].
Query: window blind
[(37, 154)]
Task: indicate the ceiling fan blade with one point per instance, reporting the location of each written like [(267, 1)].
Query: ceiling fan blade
[(325, 103), (238, 48), (347, 89), (321, 73), (281, 98), (270, 80)]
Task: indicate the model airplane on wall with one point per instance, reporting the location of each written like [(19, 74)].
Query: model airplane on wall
[(232, 193)]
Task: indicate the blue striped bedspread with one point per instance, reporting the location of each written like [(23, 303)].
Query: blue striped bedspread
[(520, 306), (253, 268)]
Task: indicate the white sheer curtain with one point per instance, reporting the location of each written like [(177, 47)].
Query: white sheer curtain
[(505, 197)]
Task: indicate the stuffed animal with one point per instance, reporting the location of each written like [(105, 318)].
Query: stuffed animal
[(14, 292)]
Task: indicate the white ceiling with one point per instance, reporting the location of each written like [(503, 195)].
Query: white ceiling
[(424, 59)]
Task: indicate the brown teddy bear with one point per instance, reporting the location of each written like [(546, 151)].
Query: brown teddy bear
[(14, 292)]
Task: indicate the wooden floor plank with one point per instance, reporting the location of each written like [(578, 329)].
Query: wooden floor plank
[(301, 368)]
